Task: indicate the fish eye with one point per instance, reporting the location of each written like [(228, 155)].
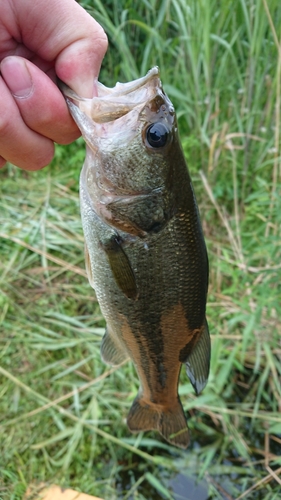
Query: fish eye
[(157, 135)]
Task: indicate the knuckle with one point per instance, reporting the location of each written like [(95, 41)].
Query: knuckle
[(37, 160), (103, 40), (100, 40), (46, 157)]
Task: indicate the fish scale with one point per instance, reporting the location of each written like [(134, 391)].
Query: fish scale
[(145, 252)]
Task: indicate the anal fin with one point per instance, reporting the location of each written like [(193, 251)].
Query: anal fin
[(198, 362), (111, 350)]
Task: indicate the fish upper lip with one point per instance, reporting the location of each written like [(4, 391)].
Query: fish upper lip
[(116, 102), (120, 89)]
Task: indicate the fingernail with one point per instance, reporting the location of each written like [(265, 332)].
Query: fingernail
[(17, 77)]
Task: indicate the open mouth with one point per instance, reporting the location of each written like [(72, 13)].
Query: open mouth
[(113, 103)]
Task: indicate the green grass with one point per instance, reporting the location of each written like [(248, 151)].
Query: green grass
[(62, 410)]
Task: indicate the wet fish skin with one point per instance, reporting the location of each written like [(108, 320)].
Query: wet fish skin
[(144, 247)]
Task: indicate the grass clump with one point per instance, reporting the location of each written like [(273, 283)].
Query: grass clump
[(62, 411)]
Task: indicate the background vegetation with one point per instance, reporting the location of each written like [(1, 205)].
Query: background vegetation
[(62, 410)]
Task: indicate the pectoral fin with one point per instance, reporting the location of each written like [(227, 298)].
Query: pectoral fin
[(121, 267), (111, 350), (198, 361)]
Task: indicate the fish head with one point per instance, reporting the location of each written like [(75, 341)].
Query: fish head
[(130, 131), (133, 151)]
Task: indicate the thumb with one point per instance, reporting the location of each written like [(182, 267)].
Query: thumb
[(65, 35), (78, 65)]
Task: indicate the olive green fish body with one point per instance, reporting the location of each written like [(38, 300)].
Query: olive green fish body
[(145, 252)]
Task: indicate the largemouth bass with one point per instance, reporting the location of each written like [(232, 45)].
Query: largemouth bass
[(144, 247)]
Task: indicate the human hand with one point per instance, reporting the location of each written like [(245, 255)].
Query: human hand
[(40, 40)]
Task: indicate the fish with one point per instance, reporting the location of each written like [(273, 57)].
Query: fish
[(145, 252)]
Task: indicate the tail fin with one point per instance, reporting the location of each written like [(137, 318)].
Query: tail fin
[(171, 423)]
